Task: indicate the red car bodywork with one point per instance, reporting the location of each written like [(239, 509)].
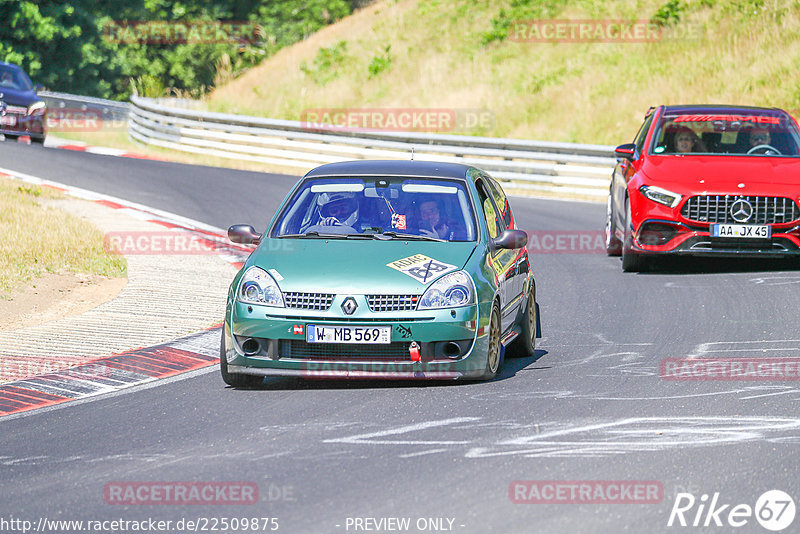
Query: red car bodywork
[(769, 184)]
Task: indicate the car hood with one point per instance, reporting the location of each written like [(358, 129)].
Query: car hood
[(16, 97), (352, 265), (723, 174)]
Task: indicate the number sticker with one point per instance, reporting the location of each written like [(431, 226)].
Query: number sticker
[(421, 267)]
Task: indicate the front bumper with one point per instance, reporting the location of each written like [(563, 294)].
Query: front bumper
[(662, 236), (31, 125), (453, 344)]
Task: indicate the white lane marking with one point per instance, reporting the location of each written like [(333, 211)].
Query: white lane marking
[(421, 453), (756, 346), (604, 438), (648, 434), (768, 280), (369, 438)]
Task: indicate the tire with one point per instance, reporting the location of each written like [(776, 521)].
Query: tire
[(525, 344), (236, 380), (631, 262), (613, 244), (38, 140), (494, 350)]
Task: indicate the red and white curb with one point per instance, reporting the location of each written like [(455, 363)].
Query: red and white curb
[(80, 146), (112, 373)]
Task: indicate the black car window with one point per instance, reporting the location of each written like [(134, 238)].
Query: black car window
[(12, 78)]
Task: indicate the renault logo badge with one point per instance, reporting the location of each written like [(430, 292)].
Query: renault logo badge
[(741, 211), (349, 306)]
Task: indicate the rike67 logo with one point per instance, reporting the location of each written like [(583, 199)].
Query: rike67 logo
[(774, 510)]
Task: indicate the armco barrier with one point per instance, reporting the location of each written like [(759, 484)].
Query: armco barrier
[(521, 164), (178, 124), (111, 110)]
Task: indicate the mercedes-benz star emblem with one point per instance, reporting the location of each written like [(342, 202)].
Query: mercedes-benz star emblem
[(349, 306), (741, 211)]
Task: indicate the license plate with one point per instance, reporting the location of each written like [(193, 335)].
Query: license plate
[(348, 334), (746, 231), (8, 120)]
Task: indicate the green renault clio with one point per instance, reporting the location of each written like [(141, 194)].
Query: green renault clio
[(382, 269)]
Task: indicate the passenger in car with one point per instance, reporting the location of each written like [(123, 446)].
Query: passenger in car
[(687, 141)]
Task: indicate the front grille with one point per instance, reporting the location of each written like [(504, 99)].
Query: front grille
[(390, 303), (717, 209), (308, 301), (300, 349)]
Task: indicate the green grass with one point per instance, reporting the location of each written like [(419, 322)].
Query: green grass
[(455, 54), (38, 239)]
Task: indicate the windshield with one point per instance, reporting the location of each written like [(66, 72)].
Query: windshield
[(750, 132), (383, 207), (12, 78)]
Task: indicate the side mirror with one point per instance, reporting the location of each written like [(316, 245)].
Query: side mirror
[(244, 234), (38, 87), (511, 239), (625, 151)]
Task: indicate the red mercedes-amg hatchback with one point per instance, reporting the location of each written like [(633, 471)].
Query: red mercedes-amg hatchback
[(706, 180)]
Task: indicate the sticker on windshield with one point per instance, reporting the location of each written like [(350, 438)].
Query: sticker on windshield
[(421, 267), (756, 119), (398, 221)]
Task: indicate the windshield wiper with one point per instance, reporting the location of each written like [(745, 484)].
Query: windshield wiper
[(315, 234), (415, 237)]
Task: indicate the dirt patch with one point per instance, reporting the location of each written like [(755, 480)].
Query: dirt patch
[(54, 296)]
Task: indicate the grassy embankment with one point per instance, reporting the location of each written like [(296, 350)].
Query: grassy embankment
[(38, 240), (456, 54)]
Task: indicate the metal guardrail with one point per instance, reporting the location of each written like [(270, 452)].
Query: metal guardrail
[(112, 110), (520, 164)]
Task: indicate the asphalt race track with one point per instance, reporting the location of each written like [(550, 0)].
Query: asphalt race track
[(590, 406)]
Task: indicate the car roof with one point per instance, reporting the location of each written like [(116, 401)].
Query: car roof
[(4, 64), (719, 108), (392, 168)]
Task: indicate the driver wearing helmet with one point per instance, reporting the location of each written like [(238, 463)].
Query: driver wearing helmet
[(338, 209)]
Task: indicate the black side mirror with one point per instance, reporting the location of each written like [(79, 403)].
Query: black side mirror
[(625, 151), (244, 234), (511, 239)]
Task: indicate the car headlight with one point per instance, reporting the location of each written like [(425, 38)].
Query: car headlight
[(37, 108), (450, 291), (662, 196), (258, 287)]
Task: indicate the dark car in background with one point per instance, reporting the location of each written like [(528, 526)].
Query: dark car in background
[(22, 112)]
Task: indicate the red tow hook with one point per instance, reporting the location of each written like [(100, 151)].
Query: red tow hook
[(413, 350)]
